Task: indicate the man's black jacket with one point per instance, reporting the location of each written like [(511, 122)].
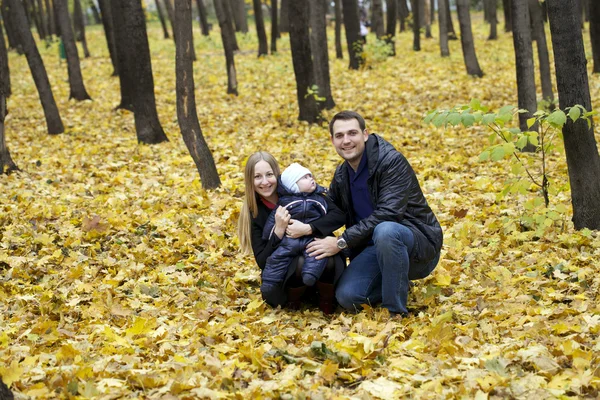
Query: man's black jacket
[(396, 196)]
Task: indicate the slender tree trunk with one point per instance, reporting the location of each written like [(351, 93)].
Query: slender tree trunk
[(302, 60), (204, 28), (402, 13), (352, 25), (161, 17), (416, 29), (466, 39), (284, 19), (377, 24), (507, 6), (493, 19), (227, 36), (126, 74), (581, 150), (539, 35), (78, 91), (186, 98), (263, 46), (451, 32), (426, 12), (171, 14), (4, 70), (391, 25), (595, 33), (318, 45), (32, 16), (132, 40), (240, 19), (80, 27), (36, 65), (274, 26), (339, 54), (9, 25), (95, 13), (109, 32), (50, 21), (43, 20), (443, 19), (230, 26)]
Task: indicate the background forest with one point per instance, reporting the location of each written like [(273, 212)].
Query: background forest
[(120, 274)]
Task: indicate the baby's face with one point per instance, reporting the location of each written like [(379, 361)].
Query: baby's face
[(306, 184)]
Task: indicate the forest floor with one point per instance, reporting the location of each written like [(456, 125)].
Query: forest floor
[(121, 276)]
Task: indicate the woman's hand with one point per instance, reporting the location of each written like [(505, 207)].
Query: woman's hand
[(282, 219), (298, 229)]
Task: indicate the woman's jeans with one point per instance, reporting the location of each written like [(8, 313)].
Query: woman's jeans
[(381, 272)]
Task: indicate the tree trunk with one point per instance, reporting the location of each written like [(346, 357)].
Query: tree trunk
[(377, 24), (302, 60), (240, 19), (4, 70), (80, 27), (391, 25), (284, 16), (95, 13), (539, 35), (7, 165), (230, 26), (493, 19), (263, 46), (466, 39), (11, 33), (32, 16), (125, 72), (352, 25), (274, 26), (109, 32), (318, 45), (161, 17), (451, 32), (507, 6), (443, 20), (227, 36), (595, 33), (524, 62), (416, 29), (425, 11), (186, 98), (402, 13), (583, 160), (36, 65), (42, 18), (78, 91), (50, 21), (171, 16), (339, 54), (204, 28)]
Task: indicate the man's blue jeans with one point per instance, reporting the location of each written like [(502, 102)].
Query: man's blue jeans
[(381, 272)]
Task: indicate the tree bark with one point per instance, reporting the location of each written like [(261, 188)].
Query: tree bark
[(377, 24), (318, 45), (43, 20), (36, 65), (186, 98), (240, 19), (284, 16), (595, 33), (204, 27), (11, 33), (125, 73), (539, 35), (402, 13), (339, 54), (161, 17), (352, 26), (581, 150), (274, 26), (263, 46), (391, 25), (95, 13), (227, 36), (51, 22), (302, 60), (443, 21), (109, 32), (524, 62), (7, 165), (80, 27), (507, 6), (4, 69), (32, 16), (415, 4), (78, 91), (451, 32), (426, 12), (466, 39), (491, 6)]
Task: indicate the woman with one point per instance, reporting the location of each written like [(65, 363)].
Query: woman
[(260, 177)]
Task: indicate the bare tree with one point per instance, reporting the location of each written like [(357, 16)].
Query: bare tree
[(7, 164), (377, 24), (161, 17), (109, 33), (595, 33), (466, 39), (443, 18), (338, 29), (204, 28), (274, 26), (79, 24), (5, 71), (391, 24), (284, 20), (539, 35), (416, 11), (352, 25), (228, 37), (318, 45), (490, 6), (263, 46), (186, 98)]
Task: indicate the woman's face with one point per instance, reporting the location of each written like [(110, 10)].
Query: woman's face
[(265, 181)]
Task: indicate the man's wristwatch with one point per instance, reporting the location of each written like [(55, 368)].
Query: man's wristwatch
[(341, 243)]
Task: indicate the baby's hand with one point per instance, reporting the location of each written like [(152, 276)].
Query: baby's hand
[(297, 229)]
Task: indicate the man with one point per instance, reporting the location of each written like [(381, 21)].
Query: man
[(391, 235)]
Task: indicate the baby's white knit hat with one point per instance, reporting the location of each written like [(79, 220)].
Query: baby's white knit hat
[(291, 175)]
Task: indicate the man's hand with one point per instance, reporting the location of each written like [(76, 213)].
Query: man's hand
[(322, 248), (298, 229)]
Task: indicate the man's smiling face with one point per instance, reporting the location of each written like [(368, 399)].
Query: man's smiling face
[(349, 141)]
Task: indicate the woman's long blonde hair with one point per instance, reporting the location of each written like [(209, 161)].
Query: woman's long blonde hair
[(250, 206)]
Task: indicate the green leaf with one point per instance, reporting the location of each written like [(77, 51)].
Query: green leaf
[(557, 119), (522, 142), (484, 156), (534, 140), (506, 110), (430, 116), (478, 116), (531, 122), (497, 153), (475, 104), (454, 118), (439, 119), (574, 113), (468, 119), (488, 118)]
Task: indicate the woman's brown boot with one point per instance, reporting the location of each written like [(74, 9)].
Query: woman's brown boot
[(327, 301), (295, 297)]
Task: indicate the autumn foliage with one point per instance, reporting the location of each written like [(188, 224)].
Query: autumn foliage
[(121, 277)]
